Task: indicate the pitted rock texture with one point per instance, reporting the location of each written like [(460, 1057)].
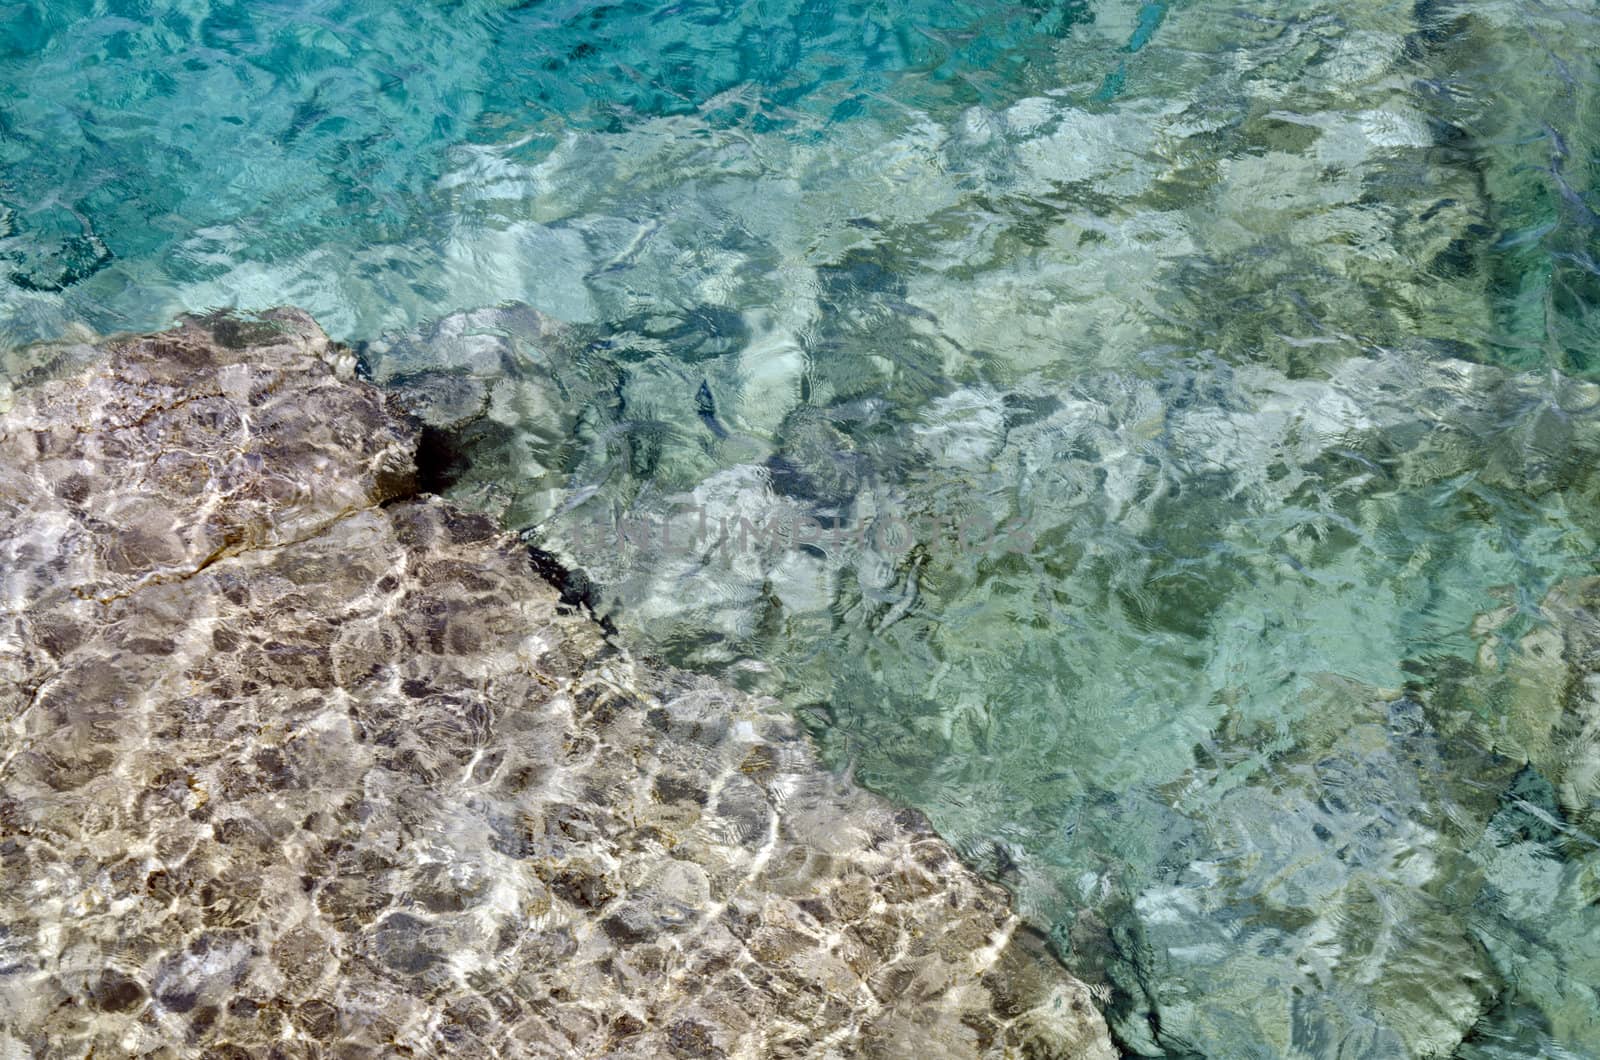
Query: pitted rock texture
[(295, 762)]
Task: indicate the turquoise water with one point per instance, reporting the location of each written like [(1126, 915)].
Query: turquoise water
[(1265, 333)]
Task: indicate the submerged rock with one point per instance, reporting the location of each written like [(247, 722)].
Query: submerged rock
[(1536, 916), (295, 758)]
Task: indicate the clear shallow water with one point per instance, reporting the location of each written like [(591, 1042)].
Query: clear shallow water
[(1273, 324)]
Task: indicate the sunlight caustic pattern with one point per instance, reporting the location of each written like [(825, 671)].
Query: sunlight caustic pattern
[(1275, 323)]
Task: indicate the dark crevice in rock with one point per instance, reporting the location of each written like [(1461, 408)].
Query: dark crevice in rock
[(575, 586), (441, 460), (443, 456)]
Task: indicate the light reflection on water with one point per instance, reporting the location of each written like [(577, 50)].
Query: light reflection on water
[(1274, 323)]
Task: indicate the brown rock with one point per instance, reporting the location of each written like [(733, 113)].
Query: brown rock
[(329, 768)]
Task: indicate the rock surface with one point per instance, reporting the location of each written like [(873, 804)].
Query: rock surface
[(298, 762)]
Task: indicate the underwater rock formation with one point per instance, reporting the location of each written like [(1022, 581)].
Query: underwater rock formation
[(297, 759), (1180, 723), (1536, 917)]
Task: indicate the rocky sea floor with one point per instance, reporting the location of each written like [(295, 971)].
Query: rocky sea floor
[(1156, 441), (299, 762)]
